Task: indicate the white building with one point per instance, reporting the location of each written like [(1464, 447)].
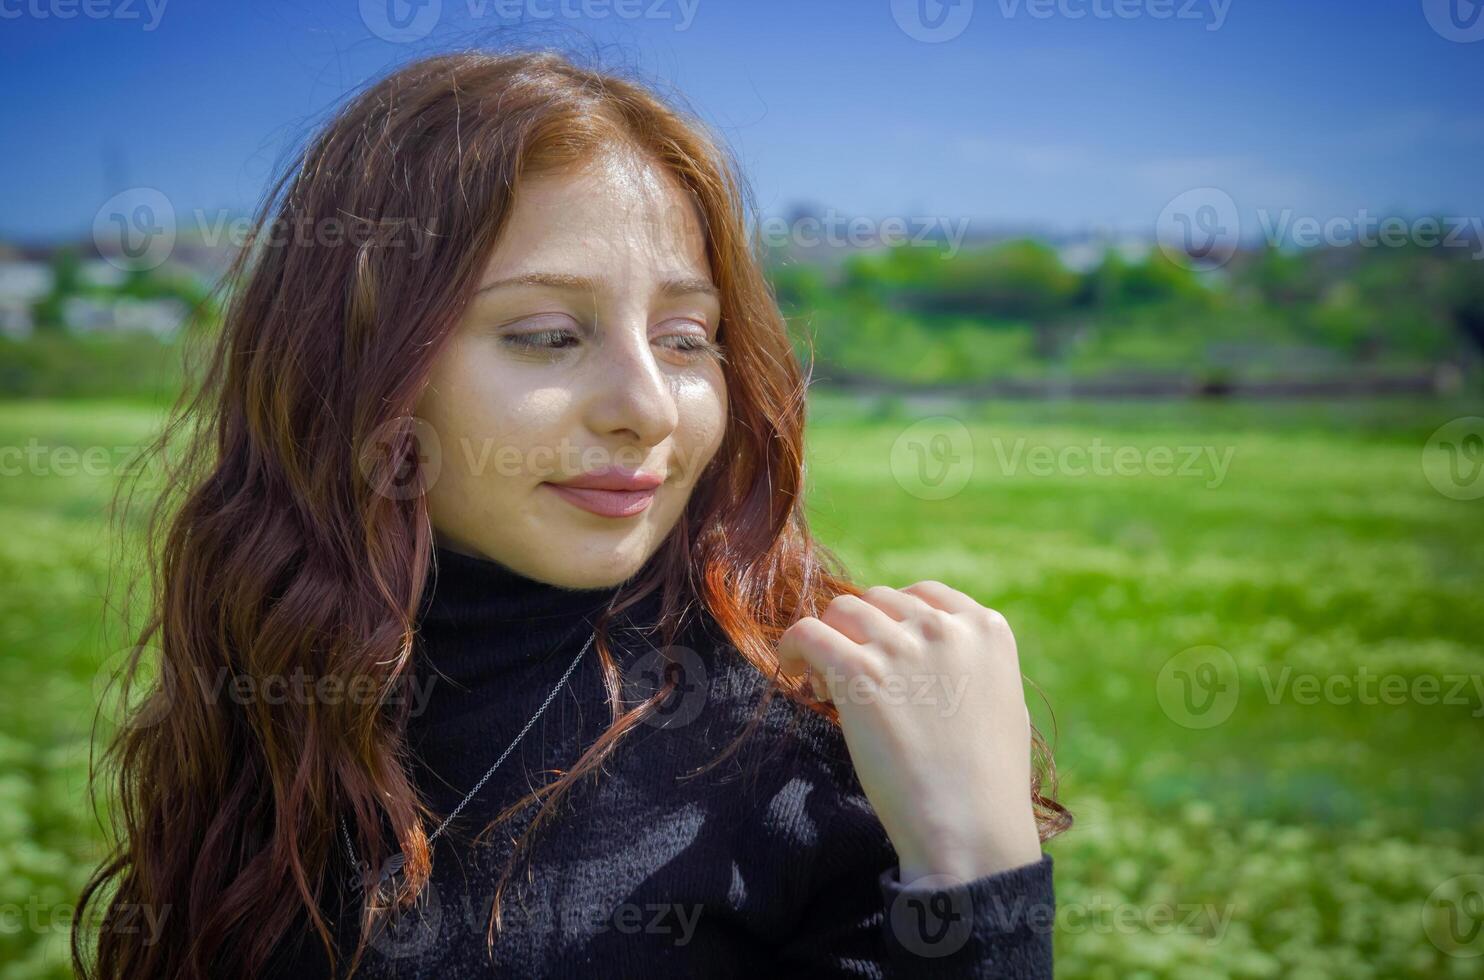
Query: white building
[(87, 314), (22, 284)]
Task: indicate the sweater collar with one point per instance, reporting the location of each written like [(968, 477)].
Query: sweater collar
[(479, 615)]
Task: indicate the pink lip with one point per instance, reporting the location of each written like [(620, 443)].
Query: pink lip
[(613, 478), (610, 492)]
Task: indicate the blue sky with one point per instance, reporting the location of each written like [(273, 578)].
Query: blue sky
[(1029, 115)]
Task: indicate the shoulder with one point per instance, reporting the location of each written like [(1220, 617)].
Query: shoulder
[(720, 696), (814, 795), (799, 738)]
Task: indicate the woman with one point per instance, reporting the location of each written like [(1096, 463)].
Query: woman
[(526, 445)]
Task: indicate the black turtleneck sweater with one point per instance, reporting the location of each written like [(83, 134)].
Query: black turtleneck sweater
[(770, 864)]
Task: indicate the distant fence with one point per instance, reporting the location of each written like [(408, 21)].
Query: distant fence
[(1144, 386)]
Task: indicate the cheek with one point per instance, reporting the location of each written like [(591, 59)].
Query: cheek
[(457, 408), (701, 403), (487, 423)]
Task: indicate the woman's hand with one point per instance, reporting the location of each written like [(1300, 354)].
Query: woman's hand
[(927, 684)]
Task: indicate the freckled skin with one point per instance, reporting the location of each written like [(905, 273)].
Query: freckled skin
[(618, 389)]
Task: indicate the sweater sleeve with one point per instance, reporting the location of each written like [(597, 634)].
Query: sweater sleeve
[(861, 920), (998, 925)]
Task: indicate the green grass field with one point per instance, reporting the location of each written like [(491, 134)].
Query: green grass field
[(1257, 627)]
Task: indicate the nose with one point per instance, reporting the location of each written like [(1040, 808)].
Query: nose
[(630, 394)]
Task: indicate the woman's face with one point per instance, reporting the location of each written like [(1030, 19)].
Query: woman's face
[(586, 347)]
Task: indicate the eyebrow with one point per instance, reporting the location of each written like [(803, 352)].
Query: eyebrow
[(670, 288)]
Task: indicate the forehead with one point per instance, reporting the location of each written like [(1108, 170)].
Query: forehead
[(619, 210)]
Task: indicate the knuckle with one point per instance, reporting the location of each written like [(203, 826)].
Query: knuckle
[(840, 602), (866, 667), (992, 620), (936, 623)]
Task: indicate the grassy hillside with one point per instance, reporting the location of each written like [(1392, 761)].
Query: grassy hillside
[(1260, 832)]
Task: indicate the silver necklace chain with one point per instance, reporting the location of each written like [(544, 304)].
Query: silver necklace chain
[(396, 861)]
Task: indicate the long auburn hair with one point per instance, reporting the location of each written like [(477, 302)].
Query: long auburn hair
[(285, 537)]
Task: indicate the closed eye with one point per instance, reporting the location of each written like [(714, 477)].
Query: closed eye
[(696, 346), (543, 339), (692, 346)]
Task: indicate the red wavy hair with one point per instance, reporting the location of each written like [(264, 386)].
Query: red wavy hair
[(283, 540)]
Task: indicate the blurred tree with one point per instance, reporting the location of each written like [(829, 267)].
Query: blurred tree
[(799, 287), (1281, 279), (1463, 299), (1117, 284), (67, 281)]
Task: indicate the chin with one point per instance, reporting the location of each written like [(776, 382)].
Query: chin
[(589, 573)]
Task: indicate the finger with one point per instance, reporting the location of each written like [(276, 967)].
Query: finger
[(810, 642), (942, 597), (810, 648), (900, 606), (859, 620), (817, 686)]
